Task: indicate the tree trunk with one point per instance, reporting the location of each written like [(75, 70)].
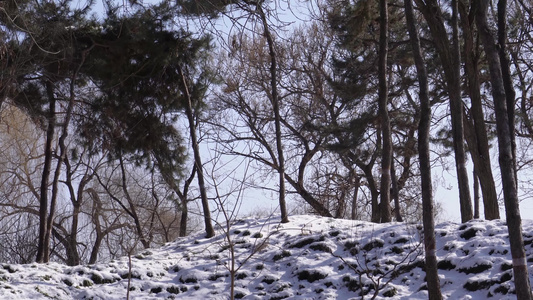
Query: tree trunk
[(395, 194), (183, 219), (357, 184), (450, 60), (508, 85), (132, 207), (479, 144), (505, 147), (432, 277), (386, 157), (43, 243), (476, 194), (319, 208), (277, 118), (209, 230)]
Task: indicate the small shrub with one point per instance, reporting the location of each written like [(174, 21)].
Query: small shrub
[(268, 280), (473, 286), (352, 284), (373, 244), (133, 275), (188, 280), (476, 269), (246, 233), (470, 233), (47, 277), (240, 276), (506, 277), (156, 290), (397, 250), (302, 243), (67, 282), (97, 279), (350, 245), (321, 247), (502, 290), (86, 283), (279, 297), (401, 240), (173, 290), (257, 235), (445, 265), (506, 266), (214, 277), (311, 276), (9, 268), (259, 267), (390, 293), (281, 255)]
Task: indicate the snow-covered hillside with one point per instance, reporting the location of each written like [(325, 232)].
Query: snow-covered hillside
[(308, 258)]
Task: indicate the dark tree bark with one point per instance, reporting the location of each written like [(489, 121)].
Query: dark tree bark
[(478, 142), (386, 156), (450, 60), (277, 118), (357, 184), (209, 230), (505, 147), (510, 93), (43, 243), (476, 194), (432, 277), (395, 193)]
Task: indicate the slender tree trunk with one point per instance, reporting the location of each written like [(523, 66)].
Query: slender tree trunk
[(479, 144), (95, 215), (476, 194), (508, 85), (386, 158), (57, 173), (395, 194), (132, 207), (319, 208), (276, 107), (432, 277), (450, 60), (457, 121), (43, 243), (357, 184), (507, 170), (183, 219), (209, 230)]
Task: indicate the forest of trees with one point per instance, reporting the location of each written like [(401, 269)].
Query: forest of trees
[(127, 125)]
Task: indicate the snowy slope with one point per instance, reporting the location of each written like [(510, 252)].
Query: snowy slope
[(308, 258)]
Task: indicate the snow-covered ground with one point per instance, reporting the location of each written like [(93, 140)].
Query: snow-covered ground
[(308, 258)]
